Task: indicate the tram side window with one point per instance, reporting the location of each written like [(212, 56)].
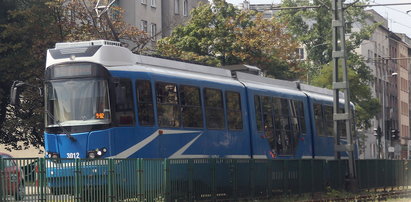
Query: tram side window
[(268, 123), (168, 109), (299, 107), (282, 125), (328, 120), (191, 106), (214, 108), (234, 116), (295, 126), (318, 117), (124, 103), (145, 103), (258, 117)]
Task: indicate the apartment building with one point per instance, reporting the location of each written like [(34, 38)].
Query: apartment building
[(157, 17), (402, 61), (374, 51)]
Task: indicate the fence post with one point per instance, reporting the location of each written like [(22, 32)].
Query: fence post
[(42, 178), (139, 180), (190, 180), (110, 180), (285, 177), (269, 178), (252, 177), (213, 176), (77, 180), (167, 188), (234, 177), (300, 175)]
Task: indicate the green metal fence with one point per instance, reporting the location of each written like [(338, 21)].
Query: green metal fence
[(39, 179)]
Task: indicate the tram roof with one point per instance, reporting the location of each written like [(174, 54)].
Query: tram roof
[(111, 55)]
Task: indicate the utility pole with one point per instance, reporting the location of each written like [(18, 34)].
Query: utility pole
[(339, 54)]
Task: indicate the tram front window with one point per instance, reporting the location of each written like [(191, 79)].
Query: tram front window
[(77, 102)]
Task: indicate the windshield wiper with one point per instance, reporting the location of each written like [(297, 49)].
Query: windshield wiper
[(62, 128)]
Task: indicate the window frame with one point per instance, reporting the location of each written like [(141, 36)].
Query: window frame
[(319, 129), (200, 106), (185, 7), (177, 104), (145, 103), (258, 113), (132, 109), (207, 108), (234, 110), (153, 31), (144, 25), (176, 7)]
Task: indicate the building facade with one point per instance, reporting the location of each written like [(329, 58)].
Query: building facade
[(375, 50), (157, 17)]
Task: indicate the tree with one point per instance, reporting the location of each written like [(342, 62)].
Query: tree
[(313, 28), (220, 35), (29, 28), (23, 39), (366, 107)]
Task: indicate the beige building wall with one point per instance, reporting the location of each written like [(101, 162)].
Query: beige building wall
[(403, 92), (177, 12), (164, 15)]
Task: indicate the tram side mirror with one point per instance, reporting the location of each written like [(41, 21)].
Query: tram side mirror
[(14, 93), (13, 96)]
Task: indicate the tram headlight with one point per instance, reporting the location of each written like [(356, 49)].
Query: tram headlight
[(52, 155), (97, 153), (91, 155)]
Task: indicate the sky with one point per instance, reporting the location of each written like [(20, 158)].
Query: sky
[(398, 20)]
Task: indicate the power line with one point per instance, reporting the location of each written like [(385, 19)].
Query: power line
[(350, 5)]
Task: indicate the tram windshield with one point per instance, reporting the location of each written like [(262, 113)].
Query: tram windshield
[(75, 102)]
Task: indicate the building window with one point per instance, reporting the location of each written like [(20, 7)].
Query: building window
[(143, 25), (176, 6), (185, 8), (144, 2), (300, 53), (153, 3), (153, 31)]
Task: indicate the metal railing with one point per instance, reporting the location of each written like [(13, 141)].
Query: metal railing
[(39, 179)]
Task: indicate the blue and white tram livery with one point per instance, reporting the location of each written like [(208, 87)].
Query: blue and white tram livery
[(102, 101)]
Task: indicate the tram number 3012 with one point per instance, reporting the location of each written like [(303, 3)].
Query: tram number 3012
[(75, 155)]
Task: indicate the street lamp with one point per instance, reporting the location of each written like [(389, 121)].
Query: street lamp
[(394, 74)]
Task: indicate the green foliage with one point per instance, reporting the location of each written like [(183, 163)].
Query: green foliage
[(313, 28), (366, 107), (24, 36), (221, 35)]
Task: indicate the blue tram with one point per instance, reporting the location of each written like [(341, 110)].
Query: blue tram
[(103, 101)]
